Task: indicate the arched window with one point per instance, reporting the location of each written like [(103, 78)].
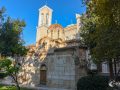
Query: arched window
[(52, 34), (42, 18), (47, 17), (58, 33), (47, 32)]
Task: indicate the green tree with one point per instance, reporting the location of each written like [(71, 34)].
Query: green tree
[(10, 69), (101, 30), (11, 44)]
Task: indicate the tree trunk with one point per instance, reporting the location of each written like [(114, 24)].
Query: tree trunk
[(111, 69), (99, 66), (17, 84), (115, 70), (16, 81)]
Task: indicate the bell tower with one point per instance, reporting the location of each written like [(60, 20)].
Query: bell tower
[(45, 16), (44, 21)]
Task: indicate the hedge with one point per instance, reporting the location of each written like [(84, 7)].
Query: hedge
[(93, 83)]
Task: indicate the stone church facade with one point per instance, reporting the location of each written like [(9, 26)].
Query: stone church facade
[(58, 59)]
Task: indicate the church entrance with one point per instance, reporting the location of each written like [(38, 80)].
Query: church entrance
[(43, 74)]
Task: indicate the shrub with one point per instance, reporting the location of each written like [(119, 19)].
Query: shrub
[(2, 75), (92, 83), (92, 72)]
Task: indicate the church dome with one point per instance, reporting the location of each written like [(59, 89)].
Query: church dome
[(55, 26)]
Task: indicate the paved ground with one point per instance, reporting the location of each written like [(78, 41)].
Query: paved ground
[(8, 82), (46, 88), (36, 88)]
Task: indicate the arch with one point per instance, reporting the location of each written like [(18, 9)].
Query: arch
[(43, 74), (43, 39), (43, 67)]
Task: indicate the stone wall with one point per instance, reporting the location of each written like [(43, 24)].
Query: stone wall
[(61, 72), (29, 73)]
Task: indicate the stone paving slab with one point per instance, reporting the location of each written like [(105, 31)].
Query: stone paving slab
[(46, 88), (36, 88)]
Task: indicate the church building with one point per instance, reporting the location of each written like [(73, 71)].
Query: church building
[(58, 59)]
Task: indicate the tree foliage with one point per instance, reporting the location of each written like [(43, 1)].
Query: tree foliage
[(9, 68), (101, 30), (11, 45), (11, 42)]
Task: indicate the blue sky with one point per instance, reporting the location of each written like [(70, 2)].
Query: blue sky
[(63, 11)]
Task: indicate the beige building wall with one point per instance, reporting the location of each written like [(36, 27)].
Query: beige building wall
[(70, 32), (56, 31), (41, 32), (56, 34)]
